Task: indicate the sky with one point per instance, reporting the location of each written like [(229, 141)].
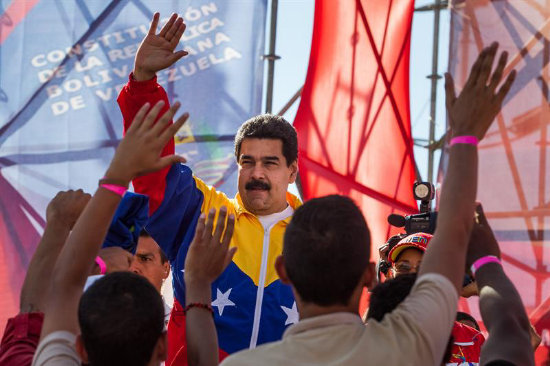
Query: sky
[(294, 29)]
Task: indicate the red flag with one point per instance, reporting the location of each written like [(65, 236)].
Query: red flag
[(353, 122)]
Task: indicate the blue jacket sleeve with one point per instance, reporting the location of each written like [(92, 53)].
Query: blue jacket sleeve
[(130, 217), (173, 223)]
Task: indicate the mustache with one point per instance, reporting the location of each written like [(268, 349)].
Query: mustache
[(257, 184)]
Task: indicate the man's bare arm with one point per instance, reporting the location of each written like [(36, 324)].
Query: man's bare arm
[(207, 258), (470, 114), (500, 305), (138, 153), (61, 214)]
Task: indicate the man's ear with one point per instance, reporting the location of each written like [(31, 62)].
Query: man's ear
[(370, 276), (79, 345), (293, 171), (281, 270), (166, 266), (161, 348)]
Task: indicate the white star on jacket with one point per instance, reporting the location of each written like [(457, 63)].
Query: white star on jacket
[(222, 300), (292, 316)]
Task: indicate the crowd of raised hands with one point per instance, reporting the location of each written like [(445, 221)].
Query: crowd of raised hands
[(77, 224)]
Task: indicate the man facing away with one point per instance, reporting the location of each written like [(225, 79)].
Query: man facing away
[(405, 258), (251, 304), (326, 261), (328, 237)]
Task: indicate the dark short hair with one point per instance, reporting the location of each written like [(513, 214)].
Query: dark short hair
[(461, 316), (326, 250), (269, 126), (385, 297), (144, 234), (121, 318)]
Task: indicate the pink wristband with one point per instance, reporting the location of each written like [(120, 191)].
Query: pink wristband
[(470, 140), (483, 261), (101, 264), (114, 188)]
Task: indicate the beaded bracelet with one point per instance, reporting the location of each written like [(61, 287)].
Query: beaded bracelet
[(469, 140), (200, 306), (483, 261)]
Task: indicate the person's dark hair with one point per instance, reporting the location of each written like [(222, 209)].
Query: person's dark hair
[(163, 258), (326, 250), (121, 318), (462, 316), (386, 296), (269, 126)]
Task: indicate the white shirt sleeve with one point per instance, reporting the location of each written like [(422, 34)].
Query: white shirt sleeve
[(58, 348), (432, 305)]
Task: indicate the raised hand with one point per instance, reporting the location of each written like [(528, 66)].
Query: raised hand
[(66, 207), (207, 258), (209, 254), (478, 104), (139, 151), (156, 51), (482, 240)]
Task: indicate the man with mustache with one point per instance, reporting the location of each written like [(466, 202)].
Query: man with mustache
[(249, 303)]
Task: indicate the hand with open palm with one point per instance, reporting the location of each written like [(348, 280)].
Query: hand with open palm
[(475, 108), (156, 51)]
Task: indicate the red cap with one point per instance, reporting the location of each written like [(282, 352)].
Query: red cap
[(417, 240)]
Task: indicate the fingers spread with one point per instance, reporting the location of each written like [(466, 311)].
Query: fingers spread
[(228, 231), (138, 119), (505, 88), (450, 94), (151, 116), (497, 75), (167, 161), (177, 55), (220, 225), (154, 24), (172, 129), (199, 230), (487, 65), (168, 25), (165, 119), (476, 67), (209, 224), (173, 29), (177, 35)]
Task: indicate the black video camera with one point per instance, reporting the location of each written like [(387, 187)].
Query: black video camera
[(425, 220), (421, 222)]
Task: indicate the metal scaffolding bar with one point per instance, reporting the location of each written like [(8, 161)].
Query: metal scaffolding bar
[(434, 77), (271, 57)]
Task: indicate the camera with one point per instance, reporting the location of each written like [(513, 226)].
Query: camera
[(423, 221)]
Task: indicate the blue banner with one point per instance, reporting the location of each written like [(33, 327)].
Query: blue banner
[(62, 65)]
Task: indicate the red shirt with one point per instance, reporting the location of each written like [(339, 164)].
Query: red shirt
[(467, 345), (20, 339)]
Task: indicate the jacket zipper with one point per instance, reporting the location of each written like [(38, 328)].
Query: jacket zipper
[(260, 292)]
